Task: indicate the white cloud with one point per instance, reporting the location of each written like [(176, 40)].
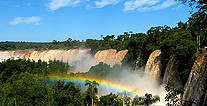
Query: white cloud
[(56, 4), (132, 5), (103, 3), (148, 5), (37, 23), (26, 20), (178, 7), (161, 6), (17, 20)]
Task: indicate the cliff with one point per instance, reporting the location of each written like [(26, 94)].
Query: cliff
[(153, 65), (196, 86)]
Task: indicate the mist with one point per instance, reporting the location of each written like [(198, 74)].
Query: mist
[(78, 58), (82, 63), (2, 58), (141, 82)]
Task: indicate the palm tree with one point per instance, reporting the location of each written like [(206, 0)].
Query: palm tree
[(127, 101), (92, 86)]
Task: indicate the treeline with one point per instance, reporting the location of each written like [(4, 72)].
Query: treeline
[(11, 67), (68, 44)]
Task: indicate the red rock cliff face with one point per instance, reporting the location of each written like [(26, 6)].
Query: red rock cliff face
[(196, 86), (171, 72), (153, 65)]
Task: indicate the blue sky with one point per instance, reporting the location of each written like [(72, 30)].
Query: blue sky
[(47, 20)]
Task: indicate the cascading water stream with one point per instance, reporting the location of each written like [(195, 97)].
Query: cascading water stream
[(196, 86)]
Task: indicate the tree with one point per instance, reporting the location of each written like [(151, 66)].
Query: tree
[(138, 100), (198, 26), (110, 99), (92, 87), (27, 90), (67, 94), (127, 101), (173, 96), (183, 45), (149, 99), (146, 100), (198, 21), (100, 70)]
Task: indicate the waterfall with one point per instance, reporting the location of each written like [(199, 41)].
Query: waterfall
[(196, 86), (110, 56), (171, 72), (153, 65), (75, 57)]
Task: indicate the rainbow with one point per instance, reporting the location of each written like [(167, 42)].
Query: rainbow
[(103, 83)]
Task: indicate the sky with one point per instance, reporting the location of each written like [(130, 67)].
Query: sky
[(48, 20)]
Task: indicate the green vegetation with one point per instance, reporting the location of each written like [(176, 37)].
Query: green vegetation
[(67, 94), (147, 100), (104, 71), (92, 89), (110, 100), (68, 44), (12, 67), (20, 82), (173, 96), (24, 89), (184, 40)]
